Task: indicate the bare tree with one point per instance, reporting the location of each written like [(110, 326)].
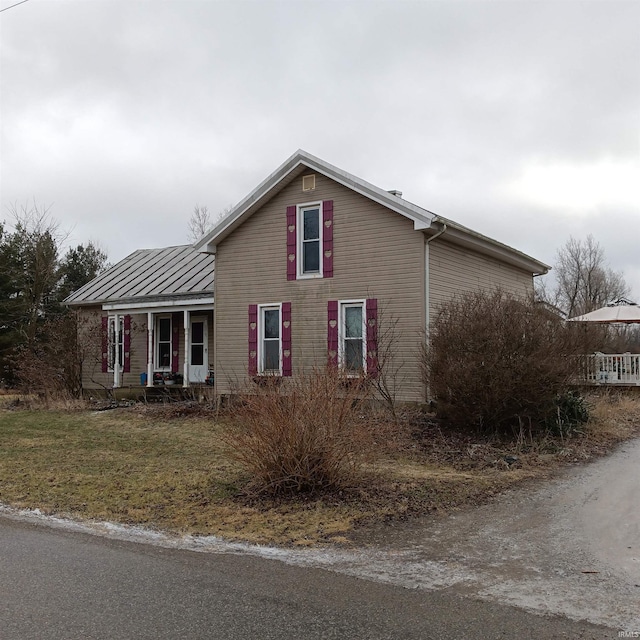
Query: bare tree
[(199, 223), (202, 221), (583, 279)]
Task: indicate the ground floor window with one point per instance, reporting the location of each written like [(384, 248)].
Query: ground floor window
[(163, 342), (269, 339), (351, 334), (115, 333)]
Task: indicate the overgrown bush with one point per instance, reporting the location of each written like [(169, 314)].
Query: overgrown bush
[(496, 362), (51, 363), (301, 435)]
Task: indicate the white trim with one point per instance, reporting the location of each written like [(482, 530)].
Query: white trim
[(300, 209), (343, 304), (260, 363), (186, 321), (150, 327), (156, 347), (205, 345), (176, 305)]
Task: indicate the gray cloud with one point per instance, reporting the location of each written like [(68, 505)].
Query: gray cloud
[(125, 114)]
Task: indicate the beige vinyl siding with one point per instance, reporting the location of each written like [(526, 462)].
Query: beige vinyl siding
[(377, 254), (454, 271)]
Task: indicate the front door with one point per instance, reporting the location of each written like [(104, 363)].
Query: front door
[(198, 351)]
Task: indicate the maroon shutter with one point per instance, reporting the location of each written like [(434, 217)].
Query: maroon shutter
[(126, 344), (175, 342), (327, 239), (286, 338), (253, 339), (291, 243), (372, 337), (332, 333), (105, 344)]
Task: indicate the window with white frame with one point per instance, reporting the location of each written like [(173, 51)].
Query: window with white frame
[(115, 341), (309, 227), (270, 340), (352, 336), (163, 343)]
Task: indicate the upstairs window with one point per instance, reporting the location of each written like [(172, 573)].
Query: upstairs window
[(310, 240)]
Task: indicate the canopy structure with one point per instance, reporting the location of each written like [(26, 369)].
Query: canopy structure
[(621, 311)]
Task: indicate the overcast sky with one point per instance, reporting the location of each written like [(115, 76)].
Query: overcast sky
[(518, 119)]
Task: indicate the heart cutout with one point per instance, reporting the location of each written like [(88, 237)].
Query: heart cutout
[(292, 257), (252, 326), (291, 228), (286, 324), (333, 323)]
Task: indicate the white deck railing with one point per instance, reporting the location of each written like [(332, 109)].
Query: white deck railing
[(615, 368)]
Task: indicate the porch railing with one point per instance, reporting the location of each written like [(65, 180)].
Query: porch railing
[(615, 368)]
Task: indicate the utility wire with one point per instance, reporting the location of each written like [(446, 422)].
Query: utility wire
[(13, 5)]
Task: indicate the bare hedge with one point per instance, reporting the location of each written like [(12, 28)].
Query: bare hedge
[(496, 362), (301, 435)]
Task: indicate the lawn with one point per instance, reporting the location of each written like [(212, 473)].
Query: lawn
[(152, 467)]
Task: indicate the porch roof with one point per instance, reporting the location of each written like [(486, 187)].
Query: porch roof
[(151, 275)]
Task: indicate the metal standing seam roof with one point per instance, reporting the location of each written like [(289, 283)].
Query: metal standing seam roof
[(173, 272)]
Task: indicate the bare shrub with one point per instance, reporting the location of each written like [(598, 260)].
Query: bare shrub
[(301, 435), (51, 365), (496, 362)]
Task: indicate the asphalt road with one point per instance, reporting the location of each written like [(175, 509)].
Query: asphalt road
[(60, 584)]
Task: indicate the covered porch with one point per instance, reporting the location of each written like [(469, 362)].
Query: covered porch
[(169, 343)]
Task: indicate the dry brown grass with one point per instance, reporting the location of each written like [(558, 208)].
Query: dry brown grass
[(166, 467)]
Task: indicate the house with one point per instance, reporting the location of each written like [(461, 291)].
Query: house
[(311, 268)]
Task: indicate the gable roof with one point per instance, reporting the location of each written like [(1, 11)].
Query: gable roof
[(151, 274), (423, 220)]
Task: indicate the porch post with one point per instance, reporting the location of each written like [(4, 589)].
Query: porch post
[(116, 358), (149, 349), (187, 349)]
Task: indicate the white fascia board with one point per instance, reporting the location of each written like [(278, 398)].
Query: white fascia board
[(174, 305), (421, 218)]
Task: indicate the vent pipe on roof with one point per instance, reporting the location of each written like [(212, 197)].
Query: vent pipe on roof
[(395, 192)]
